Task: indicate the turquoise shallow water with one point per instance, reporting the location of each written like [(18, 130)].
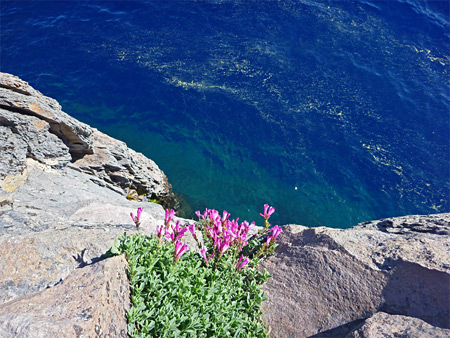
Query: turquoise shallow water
[(334, 112)]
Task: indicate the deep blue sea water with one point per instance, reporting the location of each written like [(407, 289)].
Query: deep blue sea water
[(334, 112)]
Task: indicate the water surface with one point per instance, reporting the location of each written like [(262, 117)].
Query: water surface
[(334, 112)]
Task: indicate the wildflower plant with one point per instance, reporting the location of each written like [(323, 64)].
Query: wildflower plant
[(212, 292)]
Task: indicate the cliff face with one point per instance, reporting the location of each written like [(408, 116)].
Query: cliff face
[(63, 202), (33, 126)]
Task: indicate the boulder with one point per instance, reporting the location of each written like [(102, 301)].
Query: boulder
[(39, 260), (330, 279), (91, 302), (58, 221), (384, 325), (48, 199)]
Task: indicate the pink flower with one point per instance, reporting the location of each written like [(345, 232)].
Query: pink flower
[(159, 231), (225, 215), (180, 249), (168, 217), (199, 215), (268, 211), (191, 228), (222, 246), (137, 219), (170, 236), (214, 215), (242, 262), (276, 230), (178, 232), (203, 253)]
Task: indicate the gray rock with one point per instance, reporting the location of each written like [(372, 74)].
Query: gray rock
[(431, 224), (316, 285), (113, 162), (57, 221), (34, 126), (91, 302), (13, 153), (17, 96), (327, 278), (38, 260), (384, 325), (22, 137)]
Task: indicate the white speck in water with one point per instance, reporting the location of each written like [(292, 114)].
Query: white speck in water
[(295, 188)]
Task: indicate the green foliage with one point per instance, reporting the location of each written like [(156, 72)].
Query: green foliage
[(189, 298)]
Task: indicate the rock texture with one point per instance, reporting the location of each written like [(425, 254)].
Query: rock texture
[(90, 302), (117, 165), (17, 96), (384, 325), (57, 222), (328, 280)]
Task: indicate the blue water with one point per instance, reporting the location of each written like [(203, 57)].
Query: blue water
[(334, 112)]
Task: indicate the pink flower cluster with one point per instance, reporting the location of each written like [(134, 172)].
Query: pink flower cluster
[(174, 233), (224, 234)]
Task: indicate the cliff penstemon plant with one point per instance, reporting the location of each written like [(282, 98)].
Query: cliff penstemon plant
[(215, 292)]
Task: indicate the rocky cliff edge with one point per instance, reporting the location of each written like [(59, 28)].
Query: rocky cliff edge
[(63, 202)]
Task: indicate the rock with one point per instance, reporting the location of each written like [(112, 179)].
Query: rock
[(113, 162), (6, 200), (316, 285), (11, 183), (34, 126), (384, 325), (38, 260), (432, 224), (50, 198), (24, 137), (17, 96), (13, 152), (58, 221), (327, 278), (91, 302)]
